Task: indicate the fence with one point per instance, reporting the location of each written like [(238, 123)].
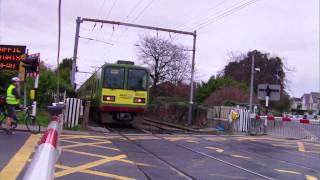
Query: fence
[(294, 128), (74, 110), (242, 124), (308, 129)]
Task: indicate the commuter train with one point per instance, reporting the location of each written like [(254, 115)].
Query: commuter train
[(118, 92)]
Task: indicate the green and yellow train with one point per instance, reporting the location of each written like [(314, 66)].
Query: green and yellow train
[(118, 92)]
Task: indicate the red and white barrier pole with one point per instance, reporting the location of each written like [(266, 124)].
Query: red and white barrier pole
[(42, 166)]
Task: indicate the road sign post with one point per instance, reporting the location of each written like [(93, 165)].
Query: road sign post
[(268, 92)]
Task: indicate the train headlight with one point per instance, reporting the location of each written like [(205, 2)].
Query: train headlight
[(139, 100), (109, 98)]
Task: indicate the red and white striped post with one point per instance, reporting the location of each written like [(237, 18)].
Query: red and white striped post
[(42, 166)]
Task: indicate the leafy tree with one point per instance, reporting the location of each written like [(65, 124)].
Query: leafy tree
[(206, 88), (167, 61), (272, 71)]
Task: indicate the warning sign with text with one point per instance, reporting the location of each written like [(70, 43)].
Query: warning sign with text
[(10, 56)]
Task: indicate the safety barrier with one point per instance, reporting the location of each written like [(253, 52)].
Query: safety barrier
[(303, 128), (44, 160), (74, 109)]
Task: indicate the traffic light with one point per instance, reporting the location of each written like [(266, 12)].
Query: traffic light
[(31, 65)]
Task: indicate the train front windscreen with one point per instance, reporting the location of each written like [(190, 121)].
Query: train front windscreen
[(137, 79), (114, 78)]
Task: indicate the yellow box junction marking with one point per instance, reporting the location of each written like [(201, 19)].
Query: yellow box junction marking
[(19, 160), (301, 147), (85, 168), (238, 156), (287, 171), (94, 144), (102, 156), (98, 173), (216, 149), (308, 177)]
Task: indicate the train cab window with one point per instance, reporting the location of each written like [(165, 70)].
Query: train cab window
[(114, 78), (137, 79)]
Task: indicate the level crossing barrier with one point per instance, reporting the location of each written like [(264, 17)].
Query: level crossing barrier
[(288, 127), (42, 165), (298, 128)]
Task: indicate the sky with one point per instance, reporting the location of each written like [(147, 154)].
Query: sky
[(285, 28)]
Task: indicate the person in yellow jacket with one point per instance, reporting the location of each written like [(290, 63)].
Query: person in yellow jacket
[(12, 101)]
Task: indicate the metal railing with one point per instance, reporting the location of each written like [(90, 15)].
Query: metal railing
[(297, 128)]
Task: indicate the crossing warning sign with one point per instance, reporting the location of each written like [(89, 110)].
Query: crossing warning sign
[(10, 56)]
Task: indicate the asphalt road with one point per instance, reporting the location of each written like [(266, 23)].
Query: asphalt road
[(163, 156)]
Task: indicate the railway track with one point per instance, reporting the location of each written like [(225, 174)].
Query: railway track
[(126, 135)]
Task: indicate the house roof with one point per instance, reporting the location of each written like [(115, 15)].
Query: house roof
[(315, 96), (296, 99), (306, 97)]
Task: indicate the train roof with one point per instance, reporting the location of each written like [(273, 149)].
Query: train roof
[(124, 65)]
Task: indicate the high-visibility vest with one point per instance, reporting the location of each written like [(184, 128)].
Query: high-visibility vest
[(11, 98), (234, 115)]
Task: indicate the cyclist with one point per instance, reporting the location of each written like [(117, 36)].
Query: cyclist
[(12, 100)]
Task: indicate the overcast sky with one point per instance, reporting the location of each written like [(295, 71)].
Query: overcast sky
[(285, 28)]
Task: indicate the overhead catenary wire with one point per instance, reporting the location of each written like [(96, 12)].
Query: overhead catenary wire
[(201, 14), (136, 18), (215, 18), (98, 40)]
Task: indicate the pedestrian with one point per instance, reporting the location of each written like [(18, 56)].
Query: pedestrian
[(12, 100)]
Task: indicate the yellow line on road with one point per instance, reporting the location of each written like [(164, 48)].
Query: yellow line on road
[(301, 147), (19, 160), (83, 144), (104, 157), (238, 156), (88, 165), (98, 173), (308, 177), (89, 144), (217, 149), (286, 171)]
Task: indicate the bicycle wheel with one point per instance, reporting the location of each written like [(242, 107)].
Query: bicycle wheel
[(32, 124)]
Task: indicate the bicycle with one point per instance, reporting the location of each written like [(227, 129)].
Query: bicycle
[(31, 121)]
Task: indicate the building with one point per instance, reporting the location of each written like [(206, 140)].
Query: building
[(296, 103), (311, 101)]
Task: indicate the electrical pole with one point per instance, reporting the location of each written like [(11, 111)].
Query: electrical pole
[(75, 53), (192, 78), (251, 84)]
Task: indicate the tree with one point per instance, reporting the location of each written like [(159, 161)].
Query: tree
[(272, 71), (167, 61), (205, 89)]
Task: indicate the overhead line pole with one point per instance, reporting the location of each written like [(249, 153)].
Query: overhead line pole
[(80, 20)]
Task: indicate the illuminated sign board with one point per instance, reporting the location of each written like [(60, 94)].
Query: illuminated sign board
[(10, 56)]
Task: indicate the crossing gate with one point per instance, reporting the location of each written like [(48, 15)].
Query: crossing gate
[(242, 123), (73, 112)]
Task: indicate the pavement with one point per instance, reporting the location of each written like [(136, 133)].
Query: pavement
[(92, 155)]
